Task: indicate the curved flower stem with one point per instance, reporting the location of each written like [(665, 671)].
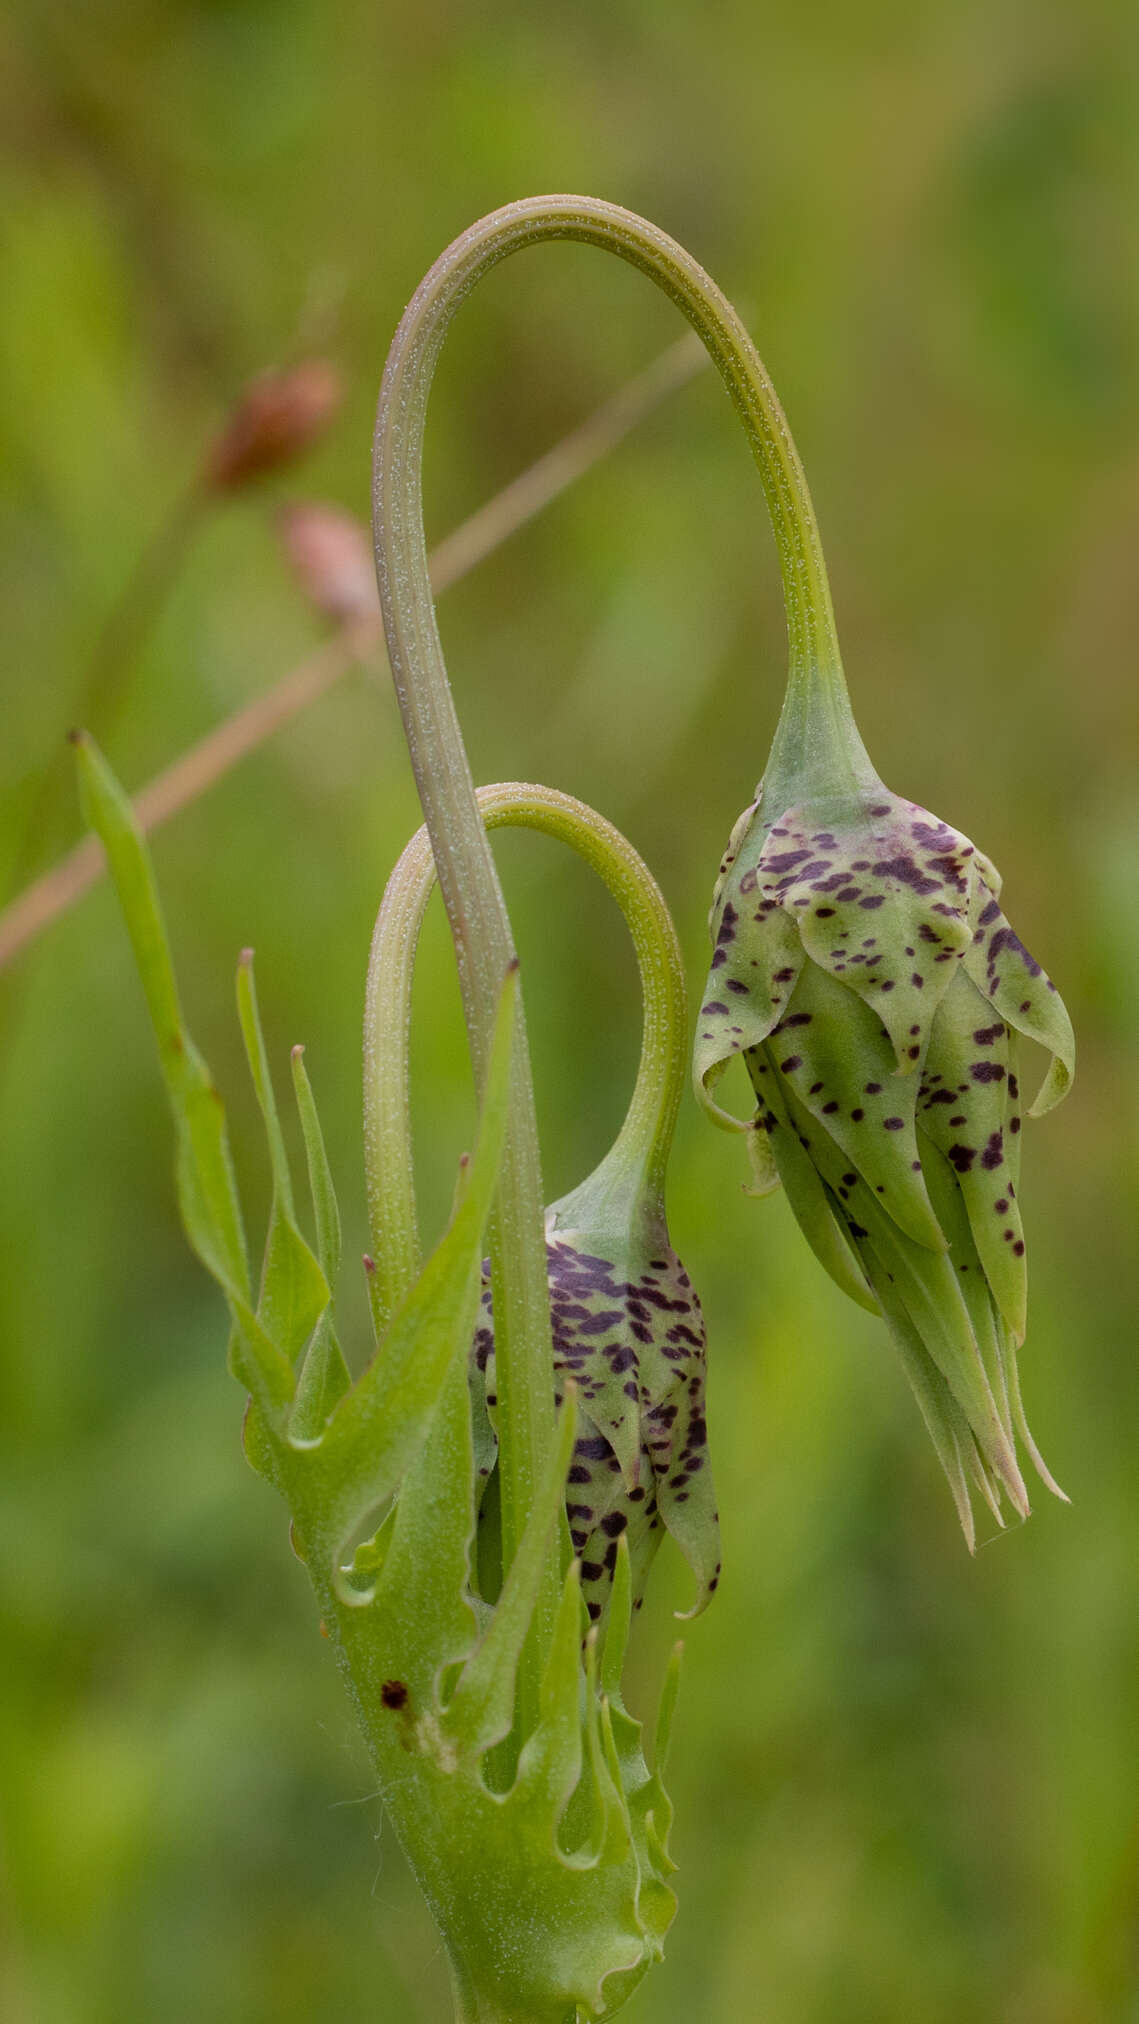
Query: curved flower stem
[(639, 1156), (816, 722)]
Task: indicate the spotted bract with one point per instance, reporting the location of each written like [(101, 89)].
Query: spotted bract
[(865, 971), (627, 1327)]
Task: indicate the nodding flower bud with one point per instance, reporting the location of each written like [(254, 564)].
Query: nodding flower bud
[(627, 1327), (277, 418), (866, 973)]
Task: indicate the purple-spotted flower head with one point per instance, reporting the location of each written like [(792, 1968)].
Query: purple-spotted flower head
[(864, 969), (627, 1327)]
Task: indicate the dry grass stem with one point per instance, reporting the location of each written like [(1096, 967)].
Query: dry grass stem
[(189, 777)]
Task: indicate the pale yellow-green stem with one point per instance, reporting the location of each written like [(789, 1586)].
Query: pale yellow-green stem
[(639, 1155)]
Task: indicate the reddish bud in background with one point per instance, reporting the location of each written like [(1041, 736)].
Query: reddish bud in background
[(277, 418), (330, 555)]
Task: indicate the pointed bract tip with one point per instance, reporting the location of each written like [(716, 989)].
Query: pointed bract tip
[(513, 966), (964, 1509), (1052, 1091), (1036, 1458), (246, 959), (296, 1053), (77, 735), (369, 1264), (1013, 1482), (697, 1609)]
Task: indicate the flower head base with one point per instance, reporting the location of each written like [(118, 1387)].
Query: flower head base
[(864, 969)]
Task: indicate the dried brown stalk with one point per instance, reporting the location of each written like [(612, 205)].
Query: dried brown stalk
[(182, 783)]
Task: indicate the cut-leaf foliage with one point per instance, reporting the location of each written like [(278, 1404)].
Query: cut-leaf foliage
[(553, 1894)]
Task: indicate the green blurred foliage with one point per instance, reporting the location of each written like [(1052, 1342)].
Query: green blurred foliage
[(906, 1782)]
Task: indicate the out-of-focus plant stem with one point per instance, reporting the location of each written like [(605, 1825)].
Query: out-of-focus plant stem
[(112, 664), (223, 748)]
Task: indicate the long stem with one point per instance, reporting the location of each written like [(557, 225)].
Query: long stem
[(639, 1156), (816, 714), (111, 666)]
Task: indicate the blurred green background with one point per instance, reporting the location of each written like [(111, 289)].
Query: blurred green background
[(907, 1782)]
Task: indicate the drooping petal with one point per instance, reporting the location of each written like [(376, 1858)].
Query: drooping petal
[(591, 1323), (995, 1339), (757, 957), (926, 1285), (965, 1258), (671, 1480), (944, 1420), (1014, 1109), (1022, 1427), (838, 1057), (808, 1197), (747, 827), (966, 1106), (1025, 996), (629, 1331)]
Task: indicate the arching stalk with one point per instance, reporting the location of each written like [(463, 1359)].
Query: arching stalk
[(816, 727), (635, 1164)]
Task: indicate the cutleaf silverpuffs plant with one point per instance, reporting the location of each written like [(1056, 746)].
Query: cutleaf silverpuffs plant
[(479, 1508)]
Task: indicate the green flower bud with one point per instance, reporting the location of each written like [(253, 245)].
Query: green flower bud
[(866, 973), (625, 1323), (627, 1327)]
